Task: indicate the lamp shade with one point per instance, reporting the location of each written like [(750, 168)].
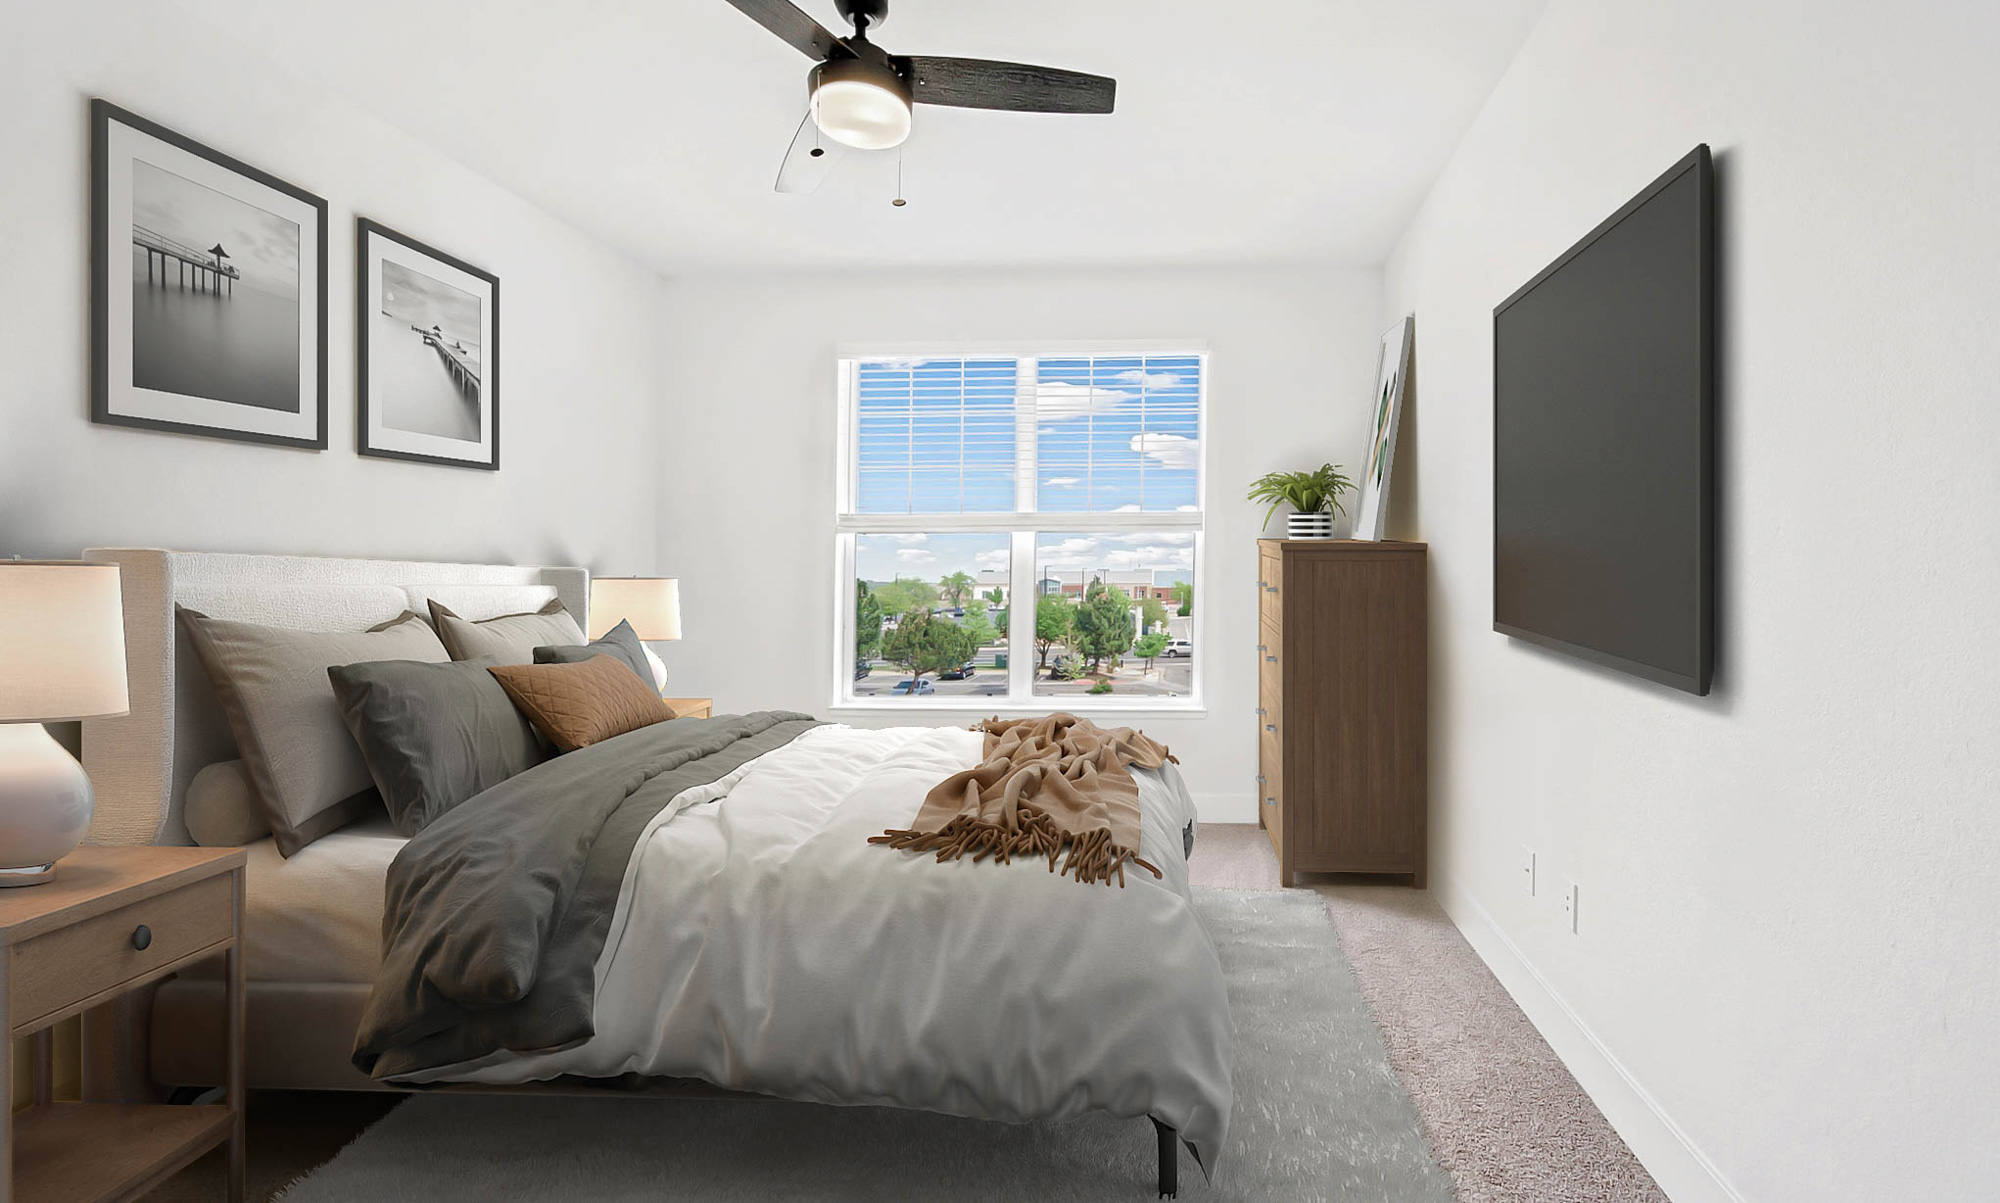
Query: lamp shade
[(652, 604), (62, 641)]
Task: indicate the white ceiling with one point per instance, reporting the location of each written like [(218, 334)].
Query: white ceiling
[(1259, 131)]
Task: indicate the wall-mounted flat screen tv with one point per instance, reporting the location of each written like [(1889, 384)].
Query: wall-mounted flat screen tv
[(1604, 441)]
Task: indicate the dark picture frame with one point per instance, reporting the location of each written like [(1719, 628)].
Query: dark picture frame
[(472, 368), (283, 405)]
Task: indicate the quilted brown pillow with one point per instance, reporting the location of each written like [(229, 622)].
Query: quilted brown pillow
[(577, 705)]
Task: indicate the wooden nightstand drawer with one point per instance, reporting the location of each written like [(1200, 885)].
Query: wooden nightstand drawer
[(59, 968), (690, 707)]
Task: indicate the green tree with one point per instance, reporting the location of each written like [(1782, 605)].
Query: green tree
[(1053, 616), (867, 621), (1149, 647), (979, 625), (923, 643), (1103, 623), (905, 594), (996, 596), (1184, 594), (956, 588), (1152, 613)]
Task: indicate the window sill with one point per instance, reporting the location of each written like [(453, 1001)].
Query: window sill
[(1177, 708)]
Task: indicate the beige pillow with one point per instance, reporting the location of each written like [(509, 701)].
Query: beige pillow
[(576, 705), (221, 808), (510, 639), (304, 766)]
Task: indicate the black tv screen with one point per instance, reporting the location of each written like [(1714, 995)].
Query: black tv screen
[(1603, 441)]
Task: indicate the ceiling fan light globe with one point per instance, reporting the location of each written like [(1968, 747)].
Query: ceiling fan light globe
[(860, 105)]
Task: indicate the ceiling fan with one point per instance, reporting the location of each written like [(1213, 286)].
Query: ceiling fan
[(862, 95)]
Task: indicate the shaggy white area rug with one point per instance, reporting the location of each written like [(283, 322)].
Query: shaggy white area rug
[(1319, 1114)]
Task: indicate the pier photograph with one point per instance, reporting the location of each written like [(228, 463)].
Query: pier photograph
[(424, 365), (209, 290), (215, 294), (427, 327)]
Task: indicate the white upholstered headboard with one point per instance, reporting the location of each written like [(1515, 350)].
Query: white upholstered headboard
[(141, 764)]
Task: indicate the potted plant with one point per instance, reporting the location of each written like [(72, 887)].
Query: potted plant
[(1314, 497)]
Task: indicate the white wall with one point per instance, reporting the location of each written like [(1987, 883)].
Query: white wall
[(578, 327), (749, 459), (1788, 947)]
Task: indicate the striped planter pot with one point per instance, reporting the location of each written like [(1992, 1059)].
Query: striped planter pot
[(1310, 526)]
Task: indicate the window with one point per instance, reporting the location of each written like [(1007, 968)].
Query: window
[(1021, 529)]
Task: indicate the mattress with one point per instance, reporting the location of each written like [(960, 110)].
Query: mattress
[(316, 917)]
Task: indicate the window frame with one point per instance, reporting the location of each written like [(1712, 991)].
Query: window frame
[(1022, 525)]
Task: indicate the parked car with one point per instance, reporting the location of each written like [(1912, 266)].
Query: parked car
[(960, 673), (862, 668), (917, 686), (1179, 647)]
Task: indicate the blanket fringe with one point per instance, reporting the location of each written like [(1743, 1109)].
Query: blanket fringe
[(1092, 857)]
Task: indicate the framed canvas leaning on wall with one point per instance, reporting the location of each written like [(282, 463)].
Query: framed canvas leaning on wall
[(1385, 413), (208, 290)]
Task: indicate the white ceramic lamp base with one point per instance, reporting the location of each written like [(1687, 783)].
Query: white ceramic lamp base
[(45, 804)]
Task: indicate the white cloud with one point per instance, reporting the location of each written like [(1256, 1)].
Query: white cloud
[(907, 539), (1171, 450), (915, 555), (1055, 400), (1162, 538), (1064, 482), (1130, 507), (997, 558), (1150, 557), (1140, 378), (895, 365)]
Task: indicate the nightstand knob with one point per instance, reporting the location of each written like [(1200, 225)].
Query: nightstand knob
[(142, 937)]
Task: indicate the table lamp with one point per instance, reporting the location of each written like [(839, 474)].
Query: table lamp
[(62, 658), (652, 604)]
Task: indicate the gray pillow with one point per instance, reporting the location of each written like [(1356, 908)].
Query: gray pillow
[(620, 643), (221, 808), (509, 639), (433, 734), (307, 771)]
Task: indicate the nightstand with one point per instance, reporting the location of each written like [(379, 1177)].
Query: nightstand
[(691, 707), (112, 920)]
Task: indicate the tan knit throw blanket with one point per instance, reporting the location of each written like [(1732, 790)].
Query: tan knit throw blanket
[(1047, 786)]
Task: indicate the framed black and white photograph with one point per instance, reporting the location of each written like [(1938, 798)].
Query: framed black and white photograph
[(428, 369), (208, 297)]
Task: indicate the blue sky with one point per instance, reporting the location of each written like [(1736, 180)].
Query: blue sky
[(1115, 433), (1169, 555)]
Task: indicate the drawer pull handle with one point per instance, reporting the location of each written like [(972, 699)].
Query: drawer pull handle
[(1260, 778), (1270, 726), (1272, 659), (142, 937), (1261, 712)]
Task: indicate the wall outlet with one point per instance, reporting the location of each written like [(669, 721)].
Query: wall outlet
[(1569, 906), (1528, 869)]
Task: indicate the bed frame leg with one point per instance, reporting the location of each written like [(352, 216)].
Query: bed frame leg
[(1170, 1161)]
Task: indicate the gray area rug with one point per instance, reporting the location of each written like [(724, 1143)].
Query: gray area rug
[(1319, 1114)]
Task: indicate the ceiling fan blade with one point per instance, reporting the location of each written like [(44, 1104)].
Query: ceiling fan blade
[(804, 170), (786, 20), (975, 83)]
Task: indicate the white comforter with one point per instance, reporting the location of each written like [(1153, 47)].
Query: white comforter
[(760, 943)]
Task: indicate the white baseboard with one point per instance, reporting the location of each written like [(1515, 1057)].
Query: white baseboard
[(1683, 1171), (1226, 808)]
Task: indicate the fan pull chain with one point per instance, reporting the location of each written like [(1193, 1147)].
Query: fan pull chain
[(899, 202)]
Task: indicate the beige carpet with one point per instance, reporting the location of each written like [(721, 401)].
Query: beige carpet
[(1504, 1117)]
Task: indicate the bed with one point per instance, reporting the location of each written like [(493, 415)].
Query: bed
[(757, 943)]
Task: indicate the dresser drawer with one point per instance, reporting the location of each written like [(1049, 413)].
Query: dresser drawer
[(1270, 585), (50, 972)]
